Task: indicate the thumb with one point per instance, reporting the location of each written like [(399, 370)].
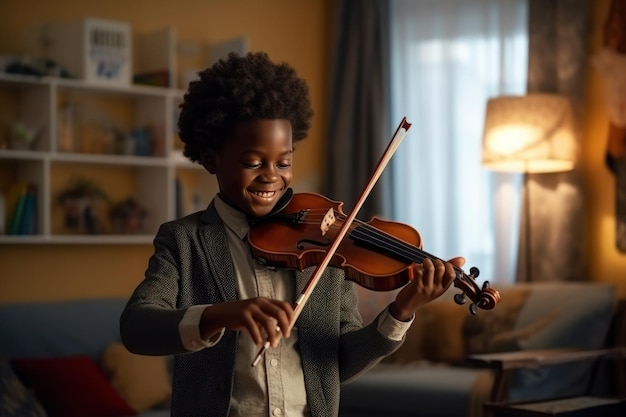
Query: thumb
[(458, 261)]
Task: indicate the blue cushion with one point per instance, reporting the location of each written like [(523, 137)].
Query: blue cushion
[(578, 314), (568, 314), (59, 328)]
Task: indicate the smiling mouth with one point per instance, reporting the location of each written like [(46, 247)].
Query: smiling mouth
[(264, 194)]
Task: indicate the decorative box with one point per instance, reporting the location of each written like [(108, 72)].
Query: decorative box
[(95, 50)]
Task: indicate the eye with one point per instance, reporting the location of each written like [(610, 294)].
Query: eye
[(283, 164), (252, 164)]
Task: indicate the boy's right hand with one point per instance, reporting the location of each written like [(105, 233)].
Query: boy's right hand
[(255, 314)]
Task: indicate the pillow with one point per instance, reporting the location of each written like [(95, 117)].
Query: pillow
[(442, 324), (581, 315), (494, 330), (435, 334), (571, 315), (71, 386), (143, 381), (15, 399)]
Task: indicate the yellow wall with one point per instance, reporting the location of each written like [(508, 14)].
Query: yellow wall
[(296, 31), (606, 264)]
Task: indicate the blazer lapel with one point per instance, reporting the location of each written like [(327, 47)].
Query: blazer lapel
[(215, 242)]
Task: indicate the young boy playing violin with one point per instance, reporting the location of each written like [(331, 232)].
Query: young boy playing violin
[(207, 301)]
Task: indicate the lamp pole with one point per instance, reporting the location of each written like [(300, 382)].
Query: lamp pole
[(527, 226)]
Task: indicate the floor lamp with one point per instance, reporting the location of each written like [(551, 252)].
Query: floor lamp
[(529, 134)]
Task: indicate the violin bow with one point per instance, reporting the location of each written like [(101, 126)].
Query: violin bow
[(393, 145)]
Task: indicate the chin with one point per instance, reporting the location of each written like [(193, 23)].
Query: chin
[(259, 212)]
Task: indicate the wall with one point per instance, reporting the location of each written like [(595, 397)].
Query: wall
[(606, 264), (294, 31), (297, 32)]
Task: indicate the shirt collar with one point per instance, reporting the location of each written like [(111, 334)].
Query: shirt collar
[(234, 219)]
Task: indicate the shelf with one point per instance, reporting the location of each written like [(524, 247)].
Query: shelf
[(18, 154), (154, 176), (76, 239), (69, 157), (16, 82)]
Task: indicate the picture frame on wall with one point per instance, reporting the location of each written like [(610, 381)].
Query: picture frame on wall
[(610, 61)]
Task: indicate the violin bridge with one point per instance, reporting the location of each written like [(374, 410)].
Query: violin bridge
[(327, 221)]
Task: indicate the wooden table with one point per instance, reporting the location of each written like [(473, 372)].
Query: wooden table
[(506, 362), (582, 406)]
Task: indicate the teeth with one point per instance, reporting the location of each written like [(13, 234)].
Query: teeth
[(264, 194)]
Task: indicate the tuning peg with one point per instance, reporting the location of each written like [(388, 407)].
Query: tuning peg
[(474, 272), (473, 308), (460, 298)]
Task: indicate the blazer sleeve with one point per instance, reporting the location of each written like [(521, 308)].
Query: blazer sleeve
[(149, 322), (360, 347)]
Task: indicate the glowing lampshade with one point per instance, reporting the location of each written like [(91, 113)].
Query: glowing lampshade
[(532, 133)]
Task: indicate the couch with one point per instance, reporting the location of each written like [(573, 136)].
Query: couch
[(65, 359), (67, 354), (431, 376)]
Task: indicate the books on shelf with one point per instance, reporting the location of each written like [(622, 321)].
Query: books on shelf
[(21, 209)]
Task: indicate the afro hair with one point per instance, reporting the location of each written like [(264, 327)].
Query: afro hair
[(238, 89)]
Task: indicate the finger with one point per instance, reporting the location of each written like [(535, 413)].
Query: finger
[(280, 312), (458, 261), (284, 324), (254, 329), (440, 270), (283, 315), (449, 274), (262, 326), (267, 321), (429, 272), (271, 329)]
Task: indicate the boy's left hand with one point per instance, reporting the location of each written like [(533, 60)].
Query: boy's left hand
[(431, 279)]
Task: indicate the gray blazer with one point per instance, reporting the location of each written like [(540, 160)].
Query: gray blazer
[(191, 265)]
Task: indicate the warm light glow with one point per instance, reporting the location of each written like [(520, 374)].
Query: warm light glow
[(532, 133)]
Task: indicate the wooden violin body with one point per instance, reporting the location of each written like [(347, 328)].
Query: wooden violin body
[(377, 255)]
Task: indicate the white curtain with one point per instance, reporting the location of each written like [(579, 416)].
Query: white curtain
[(448, 57)]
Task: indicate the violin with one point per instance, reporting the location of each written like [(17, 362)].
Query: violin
[(376, 255)]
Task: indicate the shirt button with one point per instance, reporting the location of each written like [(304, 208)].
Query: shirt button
[(277, 411), (274, 362)]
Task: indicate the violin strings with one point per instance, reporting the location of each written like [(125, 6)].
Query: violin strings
[(383, 240), (379, 238)]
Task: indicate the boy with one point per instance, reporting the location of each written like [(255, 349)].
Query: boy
[(205, 299)]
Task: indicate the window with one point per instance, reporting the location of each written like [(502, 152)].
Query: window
[(448, 57)]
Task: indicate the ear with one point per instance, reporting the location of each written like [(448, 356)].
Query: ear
[(210, 161)]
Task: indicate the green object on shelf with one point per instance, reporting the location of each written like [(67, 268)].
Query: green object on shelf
[(23, 136)]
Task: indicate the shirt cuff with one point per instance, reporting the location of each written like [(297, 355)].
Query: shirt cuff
[(391, 327), (189, 330)]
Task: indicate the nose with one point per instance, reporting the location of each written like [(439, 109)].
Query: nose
[(269, 173)]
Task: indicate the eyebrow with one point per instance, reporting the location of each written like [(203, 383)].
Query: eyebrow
[(257, 152)]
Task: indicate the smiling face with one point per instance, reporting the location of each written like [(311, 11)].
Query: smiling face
[(253, 168)]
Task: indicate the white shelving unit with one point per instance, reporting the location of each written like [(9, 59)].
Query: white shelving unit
[(150, 180)]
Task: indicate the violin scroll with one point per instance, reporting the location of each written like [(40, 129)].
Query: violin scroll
[(485, 298)]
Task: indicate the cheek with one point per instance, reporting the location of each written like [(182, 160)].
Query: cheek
[(287, 177), (234, 179)]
